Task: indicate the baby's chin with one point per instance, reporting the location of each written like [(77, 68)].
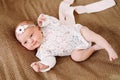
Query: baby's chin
[(30, 48)]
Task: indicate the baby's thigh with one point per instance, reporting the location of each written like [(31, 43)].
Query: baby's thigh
[(88, 34)]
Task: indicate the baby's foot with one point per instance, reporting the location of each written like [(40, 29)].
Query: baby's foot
[(112, 55)]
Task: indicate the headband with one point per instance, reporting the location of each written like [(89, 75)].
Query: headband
[(21, 28)]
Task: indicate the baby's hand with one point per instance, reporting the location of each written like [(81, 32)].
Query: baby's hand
[(41, 19), (37, 66)]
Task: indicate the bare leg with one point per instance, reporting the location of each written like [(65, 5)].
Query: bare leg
[(81, 55), (100, 41)]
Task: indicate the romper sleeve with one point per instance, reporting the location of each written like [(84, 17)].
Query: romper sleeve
[(46, 59), (50, 61), (45, 20)]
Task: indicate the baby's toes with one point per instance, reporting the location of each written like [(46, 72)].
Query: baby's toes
[(113, 57)]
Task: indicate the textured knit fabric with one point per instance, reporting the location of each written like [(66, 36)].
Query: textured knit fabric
[(59, 40)]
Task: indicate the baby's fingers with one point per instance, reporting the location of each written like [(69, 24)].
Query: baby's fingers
[(42, 17), (42, 66), (36, 68), (34, 63)]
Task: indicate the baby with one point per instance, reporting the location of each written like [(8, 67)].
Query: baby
[(53, 37)]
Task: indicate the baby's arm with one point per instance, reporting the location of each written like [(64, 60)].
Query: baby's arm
[(66, 15), (44, 20), (95, 7), (44, 65)]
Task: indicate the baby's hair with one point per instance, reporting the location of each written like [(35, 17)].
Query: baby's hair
[(25, 22)]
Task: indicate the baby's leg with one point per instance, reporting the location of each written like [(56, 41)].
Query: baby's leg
[(100, 41), (81, 55)]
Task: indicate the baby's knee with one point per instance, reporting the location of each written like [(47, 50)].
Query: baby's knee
[(77, 56)]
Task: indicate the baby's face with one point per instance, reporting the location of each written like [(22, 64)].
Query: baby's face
[(31, 38)]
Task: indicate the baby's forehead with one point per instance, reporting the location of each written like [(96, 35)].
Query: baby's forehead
[(27, 32), (21, 28)]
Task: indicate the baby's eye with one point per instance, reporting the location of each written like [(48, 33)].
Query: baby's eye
[(31, 35), (25, 42)]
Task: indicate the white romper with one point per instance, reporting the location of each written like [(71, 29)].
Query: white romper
[(59, 40)]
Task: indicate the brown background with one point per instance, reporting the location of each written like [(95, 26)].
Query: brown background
[(15, 60)]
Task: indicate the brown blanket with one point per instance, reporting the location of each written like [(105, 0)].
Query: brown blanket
[(15, 60)]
